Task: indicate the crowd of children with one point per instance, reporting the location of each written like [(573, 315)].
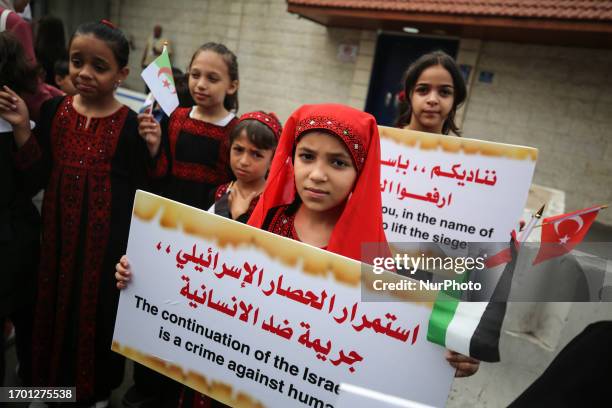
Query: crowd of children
[(90, 154)]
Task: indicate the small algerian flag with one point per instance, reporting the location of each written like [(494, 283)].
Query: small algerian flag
[(159, 79)]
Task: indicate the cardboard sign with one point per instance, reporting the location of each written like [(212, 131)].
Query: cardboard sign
[(452, 190), (256, 320)]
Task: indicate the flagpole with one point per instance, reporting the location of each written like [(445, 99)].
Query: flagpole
[(530, 226), (149, 103)]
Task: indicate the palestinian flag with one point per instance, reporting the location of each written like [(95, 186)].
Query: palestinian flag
[(159, 79), (473, 328)]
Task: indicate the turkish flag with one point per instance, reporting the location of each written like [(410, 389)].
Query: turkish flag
[(561, 233)]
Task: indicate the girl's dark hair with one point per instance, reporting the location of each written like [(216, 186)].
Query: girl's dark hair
[(50, 45), (16, 72), (413, 73), (257, 133), (182, 88), (112, 36), (231, 101), (61, 68)]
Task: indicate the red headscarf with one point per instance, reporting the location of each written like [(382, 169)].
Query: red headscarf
[(361, 220), (268, 119)]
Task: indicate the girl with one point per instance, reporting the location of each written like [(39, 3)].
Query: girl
[(193, 152), (252, 144), (89, 158), (19, 219), (433, 90)]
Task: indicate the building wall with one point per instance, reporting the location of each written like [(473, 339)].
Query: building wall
[(72, 14), (284, 61), (557, 99)]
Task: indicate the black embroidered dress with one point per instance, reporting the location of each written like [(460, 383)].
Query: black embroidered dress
[(90, 173)]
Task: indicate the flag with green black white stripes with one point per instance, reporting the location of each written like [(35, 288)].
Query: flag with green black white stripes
[(473, 328)]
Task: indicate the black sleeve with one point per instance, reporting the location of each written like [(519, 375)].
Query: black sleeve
[(244, 218), (34, 158), (138, 153), (159, 167)]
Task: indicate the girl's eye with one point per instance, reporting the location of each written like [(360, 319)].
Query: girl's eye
[(306, 156), (100, 68), (213, 79), (257, 155), (338, 163), (446, 92), (422, 89), (238, 149), (76, 62), (195, 76)]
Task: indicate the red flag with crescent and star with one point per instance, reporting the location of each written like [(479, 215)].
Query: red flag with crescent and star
[(561, 233)]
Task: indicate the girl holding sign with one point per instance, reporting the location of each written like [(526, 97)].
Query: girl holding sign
[(433, 91), (190, 151), (324, 177), (88, 157)]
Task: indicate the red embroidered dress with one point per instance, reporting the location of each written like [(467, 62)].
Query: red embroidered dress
[(194, 158), (90, 173)]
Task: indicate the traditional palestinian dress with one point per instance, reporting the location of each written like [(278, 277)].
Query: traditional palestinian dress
[(90, 173), (361, 219), (194, 158)]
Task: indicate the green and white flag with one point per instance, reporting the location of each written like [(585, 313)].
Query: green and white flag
[(473, 328), (159, 79)]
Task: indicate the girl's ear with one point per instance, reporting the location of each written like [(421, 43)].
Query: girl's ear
[(123, 73), (233, 88)]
